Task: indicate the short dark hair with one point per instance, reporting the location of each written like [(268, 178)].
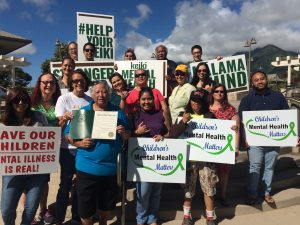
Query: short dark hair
[(89, 43), (86, 78), (257, 71), (196, 47)]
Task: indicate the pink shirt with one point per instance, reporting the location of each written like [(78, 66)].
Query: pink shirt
[(133, 97)]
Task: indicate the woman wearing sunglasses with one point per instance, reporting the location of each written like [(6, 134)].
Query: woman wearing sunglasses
[(74, 99), (220, 107), (201, 79), (18, 112), (181, 94)]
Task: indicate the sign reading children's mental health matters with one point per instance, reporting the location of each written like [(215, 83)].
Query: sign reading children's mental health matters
[(156, 69), (271, 128), (230, 71), (29, 150), (150, 161), (99, 30), (210, 140), (94, 70)]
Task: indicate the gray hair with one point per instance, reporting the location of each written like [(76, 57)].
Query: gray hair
[(106, 85)]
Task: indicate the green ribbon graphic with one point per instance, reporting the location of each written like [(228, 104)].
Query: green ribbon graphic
[(229, 145), (179, 157), (291, 131)]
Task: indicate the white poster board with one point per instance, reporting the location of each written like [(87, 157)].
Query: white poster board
[(271, 128), (210, 140), (156, 69), (99, 30), (29, 150), (230, 71), (162, 162)]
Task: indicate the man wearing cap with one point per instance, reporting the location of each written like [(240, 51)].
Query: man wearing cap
[(181, 94)]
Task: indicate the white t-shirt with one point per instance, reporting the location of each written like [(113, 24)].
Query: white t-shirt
[(66, 103)]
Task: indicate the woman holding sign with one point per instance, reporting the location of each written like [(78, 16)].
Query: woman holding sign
[(201, 79), (220, 107), (18, 113), (148, 122)]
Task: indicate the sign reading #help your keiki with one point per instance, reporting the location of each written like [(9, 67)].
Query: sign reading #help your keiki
[(163, 161), (271, 128), (210, 140)]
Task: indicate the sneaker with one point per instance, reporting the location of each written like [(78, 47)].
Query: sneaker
[(187, 221), (48, 218), (210, 221)]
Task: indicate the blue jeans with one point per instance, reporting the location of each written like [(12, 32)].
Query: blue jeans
[(67, 169), (12, 188), (261, 157), (147, 204)]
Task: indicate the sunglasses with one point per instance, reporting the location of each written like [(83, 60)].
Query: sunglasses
[(89, 50), (219, 91), (201, 71), (78, 80), (46, 82), (179, 74), (140, 75), (17, 100)]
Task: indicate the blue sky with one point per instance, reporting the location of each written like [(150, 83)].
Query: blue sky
[(220, 27)]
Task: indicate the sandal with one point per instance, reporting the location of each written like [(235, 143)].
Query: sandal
[(269, 199)]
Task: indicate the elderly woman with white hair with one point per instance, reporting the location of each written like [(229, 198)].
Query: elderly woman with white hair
[(96, 161)]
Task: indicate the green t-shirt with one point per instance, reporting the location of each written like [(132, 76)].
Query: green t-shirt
[(50, 114)]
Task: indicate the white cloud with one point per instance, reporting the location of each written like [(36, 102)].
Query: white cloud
[(222, 30), (144, 11), (40, 3), (25, 15), (43, 9), (4, 5), (28, 50)]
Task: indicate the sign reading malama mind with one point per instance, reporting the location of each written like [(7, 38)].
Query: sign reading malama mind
[(271, 128), (210, 140), (29, 150), (162, 162), (230, 71), (99, 30)]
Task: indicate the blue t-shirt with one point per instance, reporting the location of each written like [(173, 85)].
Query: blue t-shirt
[(101, 159)]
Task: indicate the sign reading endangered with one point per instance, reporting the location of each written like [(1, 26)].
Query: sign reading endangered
[(230, 71), (156, 69), (150, 161), (29, 150), (271, 128), (99, 30), (210, 140)]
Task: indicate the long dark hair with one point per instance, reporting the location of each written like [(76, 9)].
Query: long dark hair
[(37, 94), (211, 98), (116, 74), (195, 78), (83, 74), (9, 118)]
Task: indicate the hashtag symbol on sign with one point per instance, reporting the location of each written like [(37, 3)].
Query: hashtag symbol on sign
[(81, 28)]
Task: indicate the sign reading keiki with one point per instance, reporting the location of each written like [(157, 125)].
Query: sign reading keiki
[(210, 140), (151, 161), (271, 128)]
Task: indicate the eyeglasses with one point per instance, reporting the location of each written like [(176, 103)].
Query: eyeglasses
[(179, 74), (219, 91), (202, 70), (89, 50), (140, 75), (77, 81), (46, 82), (17, 100)]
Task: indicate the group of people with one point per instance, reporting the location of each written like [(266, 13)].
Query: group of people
[(89, 166)]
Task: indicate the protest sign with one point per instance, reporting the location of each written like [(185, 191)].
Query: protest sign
[(29, 150), (271, 128), (99, 30), (94, 70), (156, 69), (163, 161), (230, 71), (210, 140)]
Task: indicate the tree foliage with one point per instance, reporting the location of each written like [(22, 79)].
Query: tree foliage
[(22, 78)]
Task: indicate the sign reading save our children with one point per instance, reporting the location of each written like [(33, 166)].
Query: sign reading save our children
[(150, 161), (271, 128), (210, 140), (29, 150)]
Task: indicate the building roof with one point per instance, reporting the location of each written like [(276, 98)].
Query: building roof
[(11, 42)]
